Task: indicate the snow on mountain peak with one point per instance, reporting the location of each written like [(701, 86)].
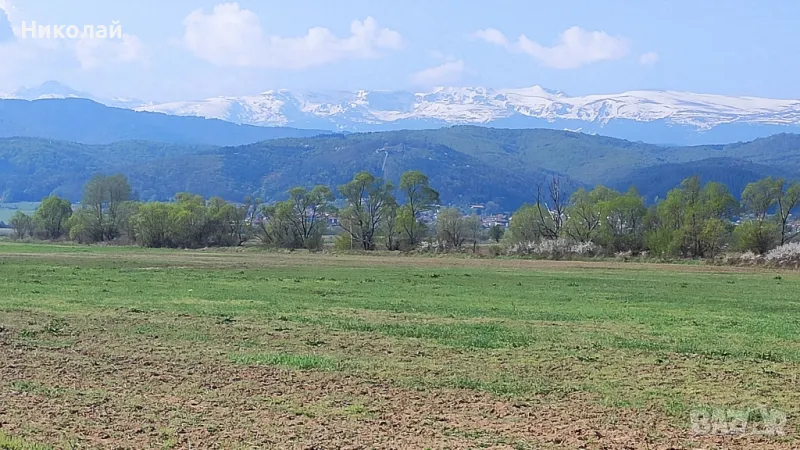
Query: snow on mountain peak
[(480, 105), (448, 105)]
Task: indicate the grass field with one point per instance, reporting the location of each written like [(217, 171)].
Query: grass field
[(130, 348)]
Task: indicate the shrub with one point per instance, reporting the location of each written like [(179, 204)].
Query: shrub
[(747, 258), (343, 242), (756, 236), (555, 249), (787, 255)]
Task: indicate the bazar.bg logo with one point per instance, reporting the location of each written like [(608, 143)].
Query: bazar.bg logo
[(41, 31), (760, 421)]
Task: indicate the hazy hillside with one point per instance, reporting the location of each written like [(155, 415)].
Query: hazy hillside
[(467, 164), (654, 181), (32, 168), (88, 122)]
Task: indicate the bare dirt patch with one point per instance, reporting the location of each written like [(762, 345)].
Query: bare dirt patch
[(99, 394)]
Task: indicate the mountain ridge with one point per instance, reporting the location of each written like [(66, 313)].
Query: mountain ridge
[(86, 121), (656, 116), (466, 163)]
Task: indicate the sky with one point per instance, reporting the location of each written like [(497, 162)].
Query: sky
[(192, 49)]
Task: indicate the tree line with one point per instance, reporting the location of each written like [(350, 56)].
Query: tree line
[(369, 216), (693, 221)]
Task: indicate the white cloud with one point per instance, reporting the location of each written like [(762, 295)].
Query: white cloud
[(449, 72), (576, 47), (27, 55), (8, 16), (95, 53), (232, 36), (492, 36), (648, 59), (9, 9)]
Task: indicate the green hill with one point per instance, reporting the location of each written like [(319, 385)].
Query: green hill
[(467, 164)]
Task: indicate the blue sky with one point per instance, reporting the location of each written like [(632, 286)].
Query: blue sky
[(190, 49)]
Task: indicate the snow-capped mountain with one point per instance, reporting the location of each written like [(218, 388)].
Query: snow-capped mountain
[(646, 115), (56, 90), (477, 105)]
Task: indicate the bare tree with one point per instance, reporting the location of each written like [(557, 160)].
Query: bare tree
[(551, 214)]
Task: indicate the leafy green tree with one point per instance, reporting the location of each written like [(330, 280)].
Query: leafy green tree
[(496, 233), (475, 232), (390, 227), (189, 221), (622, 226), (758, 236), (104, 196), (276, 228), (307, 216), (298, 222), (787, 200), (585, 213), (368, 202), (127, 210), (714, 236), (227, 223), (80, 226), (22, 225), (758, 197), (763, 232), (419, 197), (51, 216), (528, 224), (153, 226), (693, 220), (452, 228)]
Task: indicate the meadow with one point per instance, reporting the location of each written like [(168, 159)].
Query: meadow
[(126, 347)]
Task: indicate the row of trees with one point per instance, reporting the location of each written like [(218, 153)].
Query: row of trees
[(105, 213), (694, 220), (370, 214)]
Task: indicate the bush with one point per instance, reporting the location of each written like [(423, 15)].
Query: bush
[(747, 258), (756, 236), (785, 256), (343, 242), (433, 247), (555, 249), (495, 250)]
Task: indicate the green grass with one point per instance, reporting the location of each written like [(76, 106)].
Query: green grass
[(10, 443), (299, 362), (651, 338)]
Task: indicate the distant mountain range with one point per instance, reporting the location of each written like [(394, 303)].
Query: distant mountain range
[(53, 144), (56, 90), (663, 117), (86, 121), (466, 163)]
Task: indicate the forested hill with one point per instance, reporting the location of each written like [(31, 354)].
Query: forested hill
[(88, 122), (467, 164)]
